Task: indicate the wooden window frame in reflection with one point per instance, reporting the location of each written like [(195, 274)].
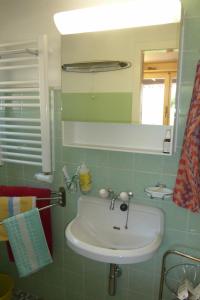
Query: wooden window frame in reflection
[(168, 72)]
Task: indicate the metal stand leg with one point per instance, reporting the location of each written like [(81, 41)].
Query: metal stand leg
[(163, 269)]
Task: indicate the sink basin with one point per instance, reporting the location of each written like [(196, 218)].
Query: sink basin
[(100, 234)]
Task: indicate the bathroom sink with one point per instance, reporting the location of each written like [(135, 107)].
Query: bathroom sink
[(100, 234)]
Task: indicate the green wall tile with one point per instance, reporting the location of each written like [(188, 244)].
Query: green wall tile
[(141, 282), (73, 277), (153, 163), (73, 262), (189, 66), (191, 8), (97, 107), (120, 294), (175, 217), (121, 180), (121, 160), (185, 96), (191, 41), (74, 155), (170, 164), (193, 240), (98, 158), (52, 292), (73, 282), (135, 295), (181, 129), (95, 284), (194, 222), (147, 266)]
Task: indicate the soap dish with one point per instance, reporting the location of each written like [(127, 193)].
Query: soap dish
[(158, 192)]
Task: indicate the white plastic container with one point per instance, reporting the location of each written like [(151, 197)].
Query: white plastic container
[(85, 180)]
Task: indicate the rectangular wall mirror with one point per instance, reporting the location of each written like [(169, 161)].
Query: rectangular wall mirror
[(140, 97)]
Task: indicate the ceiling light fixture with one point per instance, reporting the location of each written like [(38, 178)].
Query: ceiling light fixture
[(135, 13)]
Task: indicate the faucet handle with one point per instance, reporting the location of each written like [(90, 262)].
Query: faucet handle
[(125, 196), (106, 193), (103, 193)]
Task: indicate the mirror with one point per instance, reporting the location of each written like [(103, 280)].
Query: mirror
[(115, 101), (158, 86), (115, 96)]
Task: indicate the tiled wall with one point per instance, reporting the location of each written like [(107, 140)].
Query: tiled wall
[(73, 277)]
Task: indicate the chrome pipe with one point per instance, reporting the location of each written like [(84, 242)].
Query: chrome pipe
[(115, 272)]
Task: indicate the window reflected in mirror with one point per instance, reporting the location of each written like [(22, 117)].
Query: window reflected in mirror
[(158, 89)]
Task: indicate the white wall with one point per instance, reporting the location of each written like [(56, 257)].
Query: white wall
[(26, 19)]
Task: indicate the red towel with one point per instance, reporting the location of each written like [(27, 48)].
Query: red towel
[(45, 215), (187, 187)]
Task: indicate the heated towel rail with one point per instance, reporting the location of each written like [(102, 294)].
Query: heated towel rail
[(24, 104)]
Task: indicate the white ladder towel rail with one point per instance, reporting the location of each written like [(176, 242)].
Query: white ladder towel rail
[(24, 104)]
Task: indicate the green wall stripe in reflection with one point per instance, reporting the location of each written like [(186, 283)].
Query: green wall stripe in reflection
[(97, 107)]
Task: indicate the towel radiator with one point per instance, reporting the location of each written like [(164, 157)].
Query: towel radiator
[(24, 104)]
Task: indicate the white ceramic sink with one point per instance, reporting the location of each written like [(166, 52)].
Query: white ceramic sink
[(99, 233)]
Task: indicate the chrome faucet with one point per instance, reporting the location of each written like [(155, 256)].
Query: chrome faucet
[(125, 197), (112, 202), (109, 194)]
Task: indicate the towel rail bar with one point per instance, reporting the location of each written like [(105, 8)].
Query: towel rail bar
[(16, 154), (31, 149), (32, 51), (19, 82), (19, 90), (17, 59), (20, 127), (17, 43), (20, 134), (18, 67), (19, 98), (18, 141), (19, 105), (60, 197), (19, 120), (25, 162)]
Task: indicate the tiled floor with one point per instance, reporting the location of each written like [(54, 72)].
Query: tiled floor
[(21, 295)]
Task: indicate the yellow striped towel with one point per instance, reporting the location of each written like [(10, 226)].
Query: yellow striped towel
[(11, 206)]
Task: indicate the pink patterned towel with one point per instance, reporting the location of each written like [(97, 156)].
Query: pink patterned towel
[(187, 187)]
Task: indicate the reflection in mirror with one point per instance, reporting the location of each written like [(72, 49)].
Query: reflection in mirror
[(115, 96), (158, 87), (113, 110)]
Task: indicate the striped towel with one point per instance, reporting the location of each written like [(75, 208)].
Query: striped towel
[(28, 243), (187, 188), (10, 206)]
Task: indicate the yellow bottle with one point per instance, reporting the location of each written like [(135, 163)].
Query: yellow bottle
[(85, 180)]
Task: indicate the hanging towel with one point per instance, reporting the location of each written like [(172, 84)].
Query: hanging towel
[(45, 214), (10, 206), (187, 188), (28, 242)]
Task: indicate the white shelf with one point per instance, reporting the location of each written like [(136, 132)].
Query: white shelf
[(115, 137)]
